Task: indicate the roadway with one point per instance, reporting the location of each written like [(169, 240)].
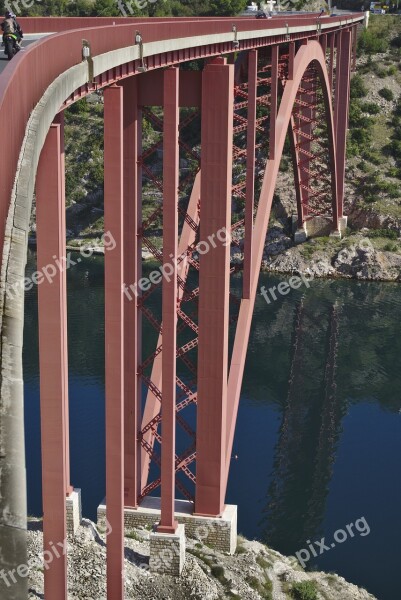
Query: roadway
[(28, 39)]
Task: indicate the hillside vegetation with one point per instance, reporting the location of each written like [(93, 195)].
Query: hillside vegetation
[(374, 142), (129, 8)]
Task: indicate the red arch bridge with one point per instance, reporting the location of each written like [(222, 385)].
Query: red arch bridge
[(222, 96)]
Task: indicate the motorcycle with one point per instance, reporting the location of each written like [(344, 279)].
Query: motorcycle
[(11, 46)]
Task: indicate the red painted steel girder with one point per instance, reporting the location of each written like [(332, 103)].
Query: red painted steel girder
[(306, 54)]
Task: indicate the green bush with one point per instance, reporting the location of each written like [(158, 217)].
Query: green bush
[(371, 108), (356, 118), (392, 172), (372, 185), (390, 188), (390, 247), (373, 157), (370, 43), (364, 166), (386, 94), (383, 233), (79, 107), (284, 164), (218, 572), (361, 137), (396, 42), (394, 148), (397, 109), (305, 590), (358, 88), (380, 72), (392, 70)]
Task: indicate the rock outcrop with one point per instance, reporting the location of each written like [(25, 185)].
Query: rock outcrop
[(254, 572)]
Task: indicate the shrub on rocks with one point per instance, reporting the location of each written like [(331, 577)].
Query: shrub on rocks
[(386, 93), (304, 590)]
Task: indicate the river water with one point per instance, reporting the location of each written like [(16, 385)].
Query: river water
[(318, 444)]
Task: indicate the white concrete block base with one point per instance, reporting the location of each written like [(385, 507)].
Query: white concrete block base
[(217, 532), (74, 511), (167, 552), (300, 236), (342, 226), (318, 226)]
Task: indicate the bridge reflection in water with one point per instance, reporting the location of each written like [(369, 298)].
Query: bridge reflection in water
[(309, 432)]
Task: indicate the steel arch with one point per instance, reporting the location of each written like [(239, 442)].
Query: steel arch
[(308, 53)]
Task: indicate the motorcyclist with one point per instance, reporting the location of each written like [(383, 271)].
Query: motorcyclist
[(11, 25), (261, 14)]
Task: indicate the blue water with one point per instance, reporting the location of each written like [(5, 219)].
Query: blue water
[(318, 442)]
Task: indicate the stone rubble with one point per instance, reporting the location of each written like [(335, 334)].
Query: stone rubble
[(253, 572)]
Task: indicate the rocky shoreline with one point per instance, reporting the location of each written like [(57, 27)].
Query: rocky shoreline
[(253, 572), (353, 257)]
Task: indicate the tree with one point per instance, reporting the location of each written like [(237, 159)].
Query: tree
[(226, 8), (105, 8)]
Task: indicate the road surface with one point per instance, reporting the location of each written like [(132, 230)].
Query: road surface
[(29, 38)]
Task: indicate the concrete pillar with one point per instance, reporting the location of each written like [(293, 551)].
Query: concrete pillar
[(114, 338), (167, 552), (52, 305), (216, 173), (74, 512)]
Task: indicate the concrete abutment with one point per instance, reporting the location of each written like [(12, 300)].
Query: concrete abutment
[(218, 532)]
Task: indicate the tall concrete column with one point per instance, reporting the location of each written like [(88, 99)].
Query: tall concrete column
[(114, 338), (52, 304), (216, 174)]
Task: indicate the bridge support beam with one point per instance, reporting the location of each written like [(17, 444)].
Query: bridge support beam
[(250, 168), (52, 304), (217, 141), (167, 524), (341, 112), (132, 274), (273, 102), (114, 338)]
